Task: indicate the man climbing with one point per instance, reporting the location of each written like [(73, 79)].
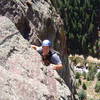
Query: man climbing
[(49, 56)]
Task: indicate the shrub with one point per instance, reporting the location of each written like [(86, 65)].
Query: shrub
[(82, 95), (84, 86), (77, 75), (79, 60), (97, 87), (91, 74), (91, 65), (84, 75), (98, 76), (93, 68), (80, 82)]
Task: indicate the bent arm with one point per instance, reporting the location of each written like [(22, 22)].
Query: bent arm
[(57, 61)]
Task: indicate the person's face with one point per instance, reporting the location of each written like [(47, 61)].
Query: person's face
[(45, 50)]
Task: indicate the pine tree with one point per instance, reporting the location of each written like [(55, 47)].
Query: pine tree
[(79, 22)]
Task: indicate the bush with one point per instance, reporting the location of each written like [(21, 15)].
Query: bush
[(84, 86), (93, 68), (91, 74), (79, 60), (84, 75), (77, 75), (98, 76), (80, 82), (82, 95), (97, 87)]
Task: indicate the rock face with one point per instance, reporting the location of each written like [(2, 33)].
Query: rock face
[(22, 74), (37, 20), (31, 17)]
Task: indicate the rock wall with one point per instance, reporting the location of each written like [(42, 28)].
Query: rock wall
[(31, 17), (22, 74), (37, 20)]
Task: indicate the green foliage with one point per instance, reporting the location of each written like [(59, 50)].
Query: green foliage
[(84, 86), (97, 87), (91, 74), (79, 60), (93, 69), (91, 65), (80, 82), (82, 95), (78, 17), (77, 75), (84, 75), (98, 76)]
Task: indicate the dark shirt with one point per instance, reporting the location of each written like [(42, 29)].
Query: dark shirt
[(55, 59)]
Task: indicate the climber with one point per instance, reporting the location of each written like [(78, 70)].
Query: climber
[(49, 56)]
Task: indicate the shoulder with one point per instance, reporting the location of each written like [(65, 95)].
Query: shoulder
[(55, 55), (56, 58)]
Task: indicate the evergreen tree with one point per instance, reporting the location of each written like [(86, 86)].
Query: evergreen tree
[(79, 17)]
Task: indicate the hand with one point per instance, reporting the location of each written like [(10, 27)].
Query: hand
[(34, 47), (57, 67)]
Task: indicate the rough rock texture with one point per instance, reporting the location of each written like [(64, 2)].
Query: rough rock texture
[(37, 19), (22, 74), (31, 17)]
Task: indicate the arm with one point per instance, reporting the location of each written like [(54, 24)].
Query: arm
[(37, 48), (58, 67), (57, 61), (34, 47)]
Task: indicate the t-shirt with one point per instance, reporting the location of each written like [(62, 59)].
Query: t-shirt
[(55, 58)]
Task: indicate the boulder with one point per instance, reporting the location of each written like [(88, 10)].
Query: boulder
[(22, 74)]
